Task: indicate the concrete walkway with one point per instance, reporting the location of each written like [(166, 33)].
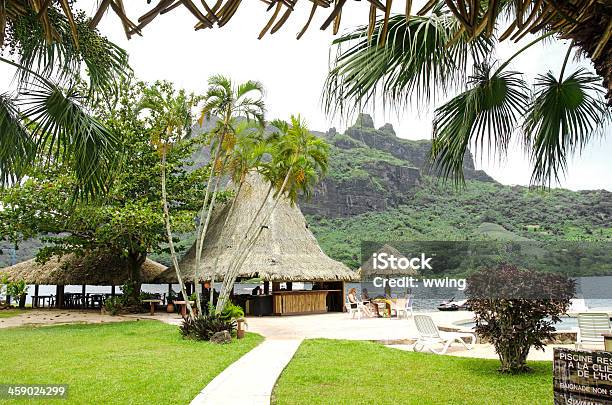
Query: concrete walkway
[(250, 379)]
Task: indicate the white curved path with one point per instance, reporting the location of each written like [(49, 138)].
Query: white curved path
[(250, 379)]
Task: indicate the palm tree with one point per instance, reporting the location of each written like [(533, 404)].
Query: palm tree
[(171, 119), (298, 160), (49, 113), (227, 102), (416, 59)]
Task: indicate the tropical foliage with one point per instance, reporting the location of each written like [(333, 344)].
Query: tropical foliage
[(63, 67), (297, 160), (417, 60), (125, 221)]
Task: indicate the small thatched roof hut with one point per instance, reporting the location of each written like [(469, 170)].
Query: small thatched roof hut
[(285, 251), (73, 270)]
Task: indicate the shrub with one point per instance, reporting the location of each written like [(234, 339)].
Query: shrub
[(232, 312), (113, 305), (18, 290), (204, 327), (516, 309)]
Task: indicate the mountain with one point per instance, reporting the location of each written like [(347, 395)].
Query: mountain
[(373, 170)]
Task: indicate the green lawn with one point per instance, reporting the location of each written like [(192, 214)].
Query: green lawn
[(124, 362), (342, 372), (7, 313)]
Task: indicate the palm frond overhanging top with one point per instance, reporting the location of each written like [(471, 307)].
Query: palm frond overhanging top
[(587, 22)]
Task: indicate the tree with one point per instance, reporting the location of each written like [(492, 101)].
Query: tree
[(49, 115), (127, 220), (419, 58), (227, 102), (170, 124), (516, 309), (298, 160)]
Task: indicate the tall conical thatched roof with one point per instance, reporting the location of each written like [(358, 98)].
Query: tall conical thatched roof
[(285, 251), (73, 270)]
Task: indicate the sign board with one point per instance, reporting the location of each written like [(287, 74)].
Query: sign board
[(582, 377)]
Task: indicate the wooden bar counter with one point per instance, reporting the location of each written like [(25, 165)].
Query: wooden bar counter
[(300, 302)]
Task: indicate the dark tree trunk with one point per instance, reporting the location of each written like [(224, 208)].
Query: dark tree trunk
[(587, 36), (135, 262)]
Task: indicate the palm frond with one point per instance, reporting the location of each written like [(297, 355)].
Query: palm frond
[(16, 145), (563, 117), (63, 129), (65, 58), (419, 56), (486, 113)]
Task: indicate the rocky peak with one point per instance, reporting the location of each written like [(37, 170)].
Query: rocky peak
[(387, 128), (364, 121)]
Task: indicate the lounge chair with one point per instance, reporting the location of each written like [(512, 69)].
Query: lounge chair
[(401, 306), (354, 308), (431, 336), (590, 327)]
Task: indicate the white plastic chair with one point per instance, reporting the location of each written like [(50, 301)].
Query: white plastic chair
[(590, 327), (431, 336), (354, 308)]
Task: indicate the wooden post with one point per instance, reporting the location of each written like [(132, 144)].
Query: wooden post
[(275, 286), (343, 298), (169, 288), (59, 296), (84, 303), (35, 300), (113, 290), (266, 287), (289, 285)]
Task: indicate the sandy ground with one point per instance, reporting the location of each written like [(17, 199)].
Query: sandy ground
[(45, 317), (396, 333)]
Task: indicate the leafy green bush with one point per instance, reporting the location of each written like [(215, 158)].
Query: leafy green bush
[(232, 312), (18, 290), (204, 327), (516, 309), (113, 305)]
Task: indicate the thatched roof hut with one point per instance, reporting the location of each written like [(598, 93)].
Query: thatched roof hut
[(73, 270), (285, 251)]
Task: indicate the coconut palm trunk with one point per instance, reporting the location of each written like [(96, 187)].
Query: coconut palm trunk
[(202, 228), (243, 246), (175, 262), (242, 254)]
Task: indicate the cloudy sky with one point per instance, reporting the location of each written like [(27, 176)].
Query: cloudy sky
[(293, 73)]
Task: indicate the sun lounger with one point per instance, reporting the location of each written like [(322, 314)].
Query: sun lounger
[(591, 325), (401, 306), (430, 336), (354, 308)]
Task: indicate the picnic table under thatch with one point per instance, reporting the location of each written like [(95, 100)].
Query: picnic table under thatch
[(101, 269)]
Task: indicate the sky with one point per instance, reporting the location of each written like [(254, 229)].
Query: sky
[(293, 73)]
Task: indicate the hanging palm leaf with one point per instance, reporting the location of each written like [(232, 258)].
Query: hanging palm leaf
[(416, 59), (16, 146), (485, 114), (63, 129), (564, 116)]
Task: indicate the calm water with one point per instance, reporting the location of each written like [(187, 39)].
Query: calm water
[(597, 292), (567, 323)]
